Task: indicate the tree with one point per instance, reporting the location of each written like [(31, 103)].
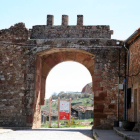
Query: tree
[(54, 95)]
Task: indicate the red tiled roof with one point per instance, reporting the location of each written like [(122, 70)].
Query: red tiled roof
[(46, 113), (82, 108)]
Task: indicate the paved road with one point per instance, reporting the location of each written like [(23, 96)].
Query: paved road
[(49, 134), (106, 135)]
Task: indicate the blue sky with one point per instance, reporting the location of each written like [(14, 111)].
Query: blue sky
[(121, 15)]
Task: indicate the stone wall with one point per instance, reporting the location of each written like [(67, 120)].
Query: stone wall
[(16, 33), (50, 31), (12, 76), (106, 85), (25, 64), (134, 79)]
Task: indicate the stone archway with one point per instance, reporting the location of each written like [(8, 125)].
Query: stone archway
[(45, 61), (19, 55)]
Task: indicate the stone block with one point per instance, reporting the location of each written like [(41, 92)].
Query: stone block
[(86, 61), (30, 76), (96, 84), (59, 56), (98, 110), (29, 119), (98, 79), (90, 63), (96, 93), (80, 20), (111, 106), (45, 69), (113, 102), (100, 116), (103, 93), (96, 121), (21, 94), (99, 98), (50, 20), (91, 70), (80, 57), (2, 105), (97, 74), (95, 88), (107, 100), (69, 56), (50, 61), (33, 105), (65, 20), (3, 100), (100, 106)]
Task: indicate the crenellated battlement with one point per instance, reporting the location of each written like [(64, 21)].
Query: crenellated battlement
[(50, 20), (50, 31), (65, 20)]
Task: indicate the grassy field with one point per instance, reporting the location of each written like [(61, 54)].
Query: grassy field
[(62, 123)]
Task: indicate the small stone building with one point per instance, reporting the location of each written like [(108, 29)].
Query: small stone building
[(45, 116), (82, 112), (133, 104)]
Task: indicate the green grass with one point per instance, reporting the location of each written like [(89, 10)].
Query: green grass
[(84, 120), (63, 125)]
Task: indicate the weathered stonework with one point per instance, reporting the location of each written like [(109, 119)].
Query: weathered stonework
[(134, 76), (25, 64)]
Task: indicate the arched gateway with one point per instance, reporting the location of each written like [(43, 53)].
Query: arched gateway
[(47, 59), (27, 62)]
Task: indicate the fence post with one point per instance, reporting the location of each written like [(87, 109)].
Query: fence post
[(50, 112), (70, 112), (58, 110)]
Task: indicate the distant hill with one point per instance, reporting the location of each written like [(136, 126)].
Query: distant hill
[(87, 88), (78, 99)]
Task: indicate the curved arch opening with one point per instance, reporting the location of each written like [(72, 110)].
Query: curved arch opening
[(48, 59), (67, 80), (68, 76)]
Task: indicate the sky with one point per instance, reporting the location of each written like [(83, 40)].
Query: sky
[(67, 76), (121, 15)]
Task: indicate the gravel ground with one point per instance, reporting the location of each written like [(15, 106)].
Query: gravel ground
[(49, 134)]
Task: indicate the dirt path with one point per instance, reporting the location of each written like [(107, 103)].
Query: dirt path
[(49, 134)]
